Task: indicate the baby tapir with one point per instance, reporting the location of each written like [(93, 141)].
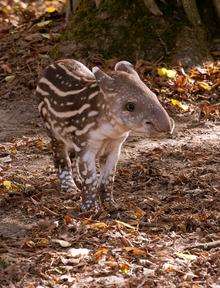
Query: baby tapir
[(88, 116)]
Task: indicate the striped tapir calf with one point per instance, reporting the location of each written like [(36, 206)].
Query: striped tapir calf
[(88, 116)]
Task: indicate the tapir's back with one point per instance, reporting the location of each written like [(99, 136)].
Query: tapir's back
[(66, 81), (68, 93)]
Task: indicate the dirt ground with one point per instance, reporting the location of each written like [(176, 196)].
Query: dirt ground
[(165, 235), (169, 192)]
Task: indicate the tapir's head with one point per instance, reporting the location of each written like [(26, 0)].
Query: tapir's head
[(131, 103)]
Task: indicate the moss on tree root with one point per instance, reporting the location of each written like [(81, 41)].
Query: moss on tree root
[(126, 30), (118, 29)]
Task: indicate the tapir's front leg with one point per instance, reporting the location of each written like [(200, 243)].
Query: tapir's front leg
[(89, 189), (108, 173)]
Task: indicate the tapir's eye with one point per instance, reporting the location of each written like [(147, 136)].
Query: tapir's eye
[(130, 106)]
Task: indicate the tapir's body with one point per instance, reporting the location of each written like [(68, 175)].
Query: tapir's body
[(88, 116)]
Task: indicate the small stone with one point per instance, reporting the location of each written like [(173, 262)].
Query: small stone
[(62, 243), (78, 252)]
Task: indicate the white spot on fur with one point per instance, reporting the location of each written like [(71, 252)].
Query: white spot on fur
[(88, 180), (93, 113)]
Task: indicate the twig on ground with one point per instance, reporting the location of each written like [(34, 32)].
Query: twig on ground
[(205, 246)]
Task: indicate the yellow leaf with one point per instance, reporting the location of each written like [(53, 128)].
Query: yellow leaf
[(198, 286), (166, 72), (181, 90), (9, 78), (124, 268), (135, 251), (161, 71), (179, 104), (40, 144), (139, 213), (184, 256), (98, 225), (7, 184), (6, 9), (171, 73), (50, 9), (13, 150), (43, 242), (204, 86)]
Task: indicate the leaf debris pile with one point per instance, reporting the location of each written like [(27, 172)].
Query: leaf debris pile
[(194, 91), (165, 212)]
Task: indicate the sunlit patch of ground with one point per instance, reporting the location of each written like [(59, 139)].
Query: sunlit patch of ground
[(15, 12)]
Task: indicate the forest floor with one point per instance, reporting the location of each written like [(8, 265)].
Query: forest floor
[(167, 233)]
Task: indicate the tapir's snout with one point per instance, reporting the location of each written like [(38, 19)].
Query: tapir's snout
[(156, 115), (162, 121)]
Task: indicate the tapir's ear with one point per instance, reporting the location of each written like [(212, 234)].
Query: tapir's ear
[(104, 81), (126, 67)]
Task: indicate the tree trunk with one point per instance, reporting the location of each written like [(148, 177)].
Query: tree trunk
[(126, 30), (191, 11), (191, 43), (152, 7)]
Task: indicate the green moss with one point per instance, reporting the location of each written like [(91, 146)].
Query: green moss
[(55, 52), (118, 29), (3, 263)]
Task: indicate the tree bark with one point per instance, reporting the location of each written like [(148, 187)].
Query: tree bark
[(217, 7), (191, 11), (71, 7), (152, 7), (191, 44)]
